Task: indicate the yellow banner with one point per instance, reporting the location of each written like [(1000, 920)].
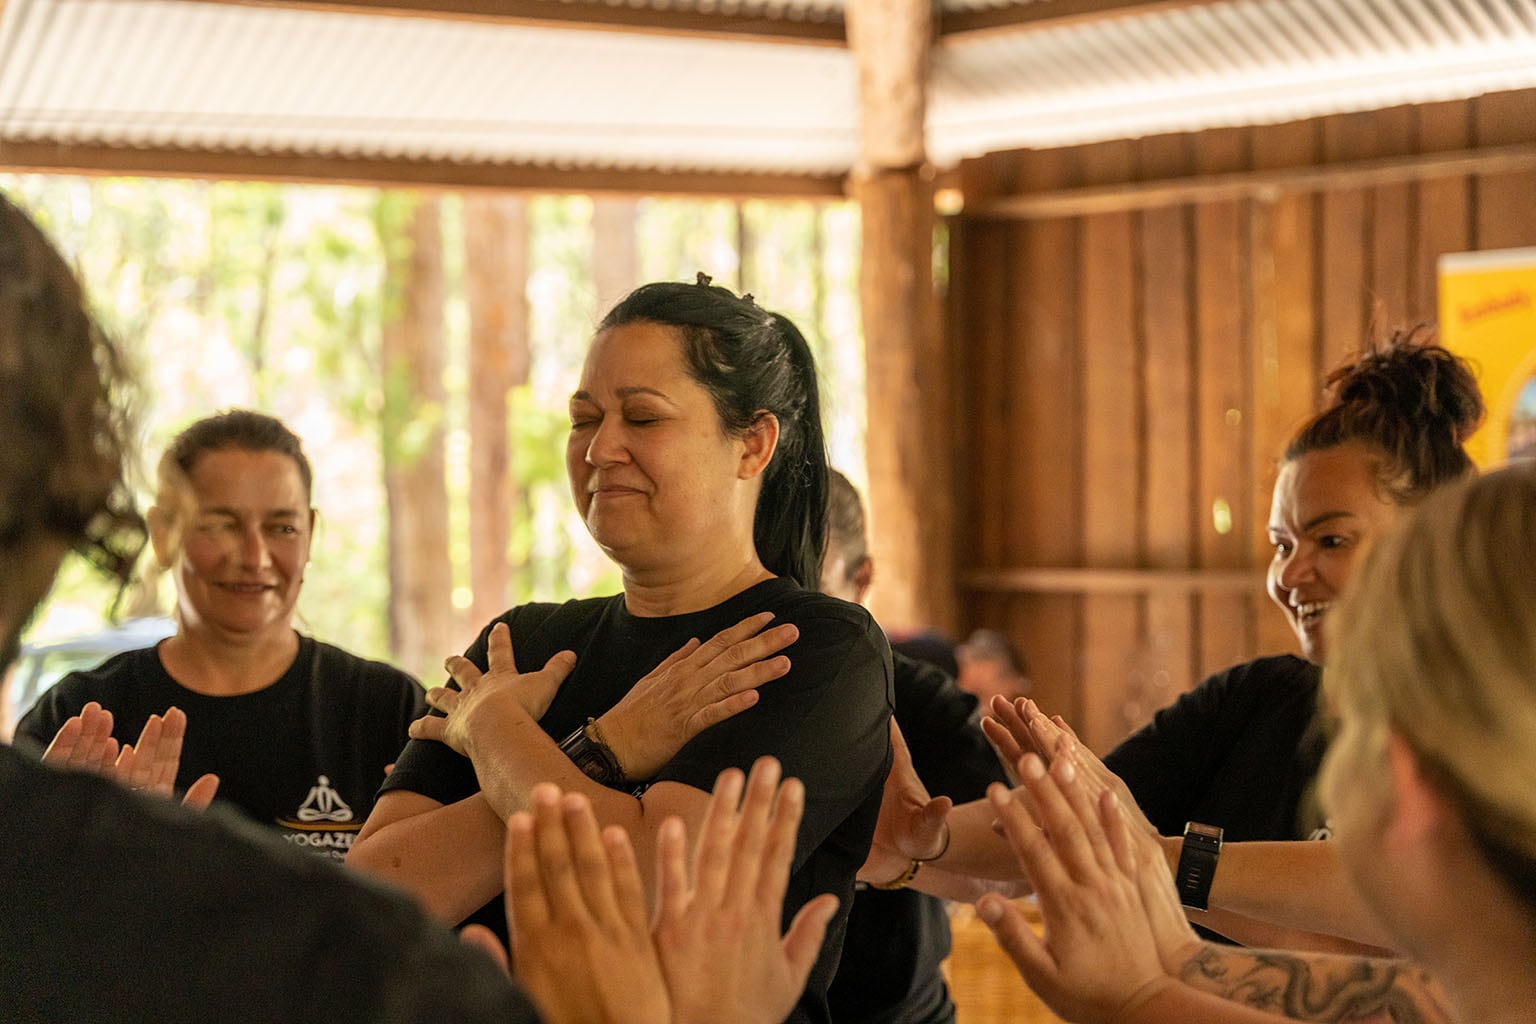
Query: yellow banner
[(1488, 314)]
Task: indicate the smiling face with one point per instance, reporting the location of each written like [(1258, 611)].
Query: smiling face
[(237, 542), (1327, 510), (656, 478)]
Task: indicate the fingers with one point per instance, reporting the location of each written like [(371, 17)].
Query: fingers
[(557, 667), (1007, 745), (527, 901), (628, 889), (1035, 852), (483, 939), (749, 845), (1017, 938), (779, 851), (498, 649), (428, 727), (554, 852), (672, 887), (802, 943), (720, 710), (1010, 717), (713, 857), (901, 755), (593, 877), (84, 741), (743, 645), (201, 793)]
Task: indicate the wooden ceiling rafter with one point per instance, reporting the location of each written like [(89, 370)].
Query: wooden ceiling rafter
[(370, 172)]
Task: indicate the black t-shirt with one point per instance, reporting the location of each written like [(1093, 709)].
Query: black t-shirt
[(896, 941), (1239, 751), (304, 756), (124, 908), (826, 721)]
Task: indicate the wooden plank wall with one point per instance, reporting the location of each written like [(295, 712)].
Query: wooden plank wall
[(1126, 377)]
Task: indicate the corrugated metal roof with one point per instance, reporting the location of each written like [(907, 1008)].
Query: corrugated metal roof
[(127, 72), (199, 76), (1249, 62)]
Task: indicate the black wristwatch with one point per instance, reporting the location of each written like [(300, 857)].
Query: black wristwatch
[(1197, 864), (594, 758)]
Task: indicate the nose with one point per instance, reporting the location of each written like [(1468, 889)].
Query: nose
[(254, 553), (1295, 568), (606, 446)]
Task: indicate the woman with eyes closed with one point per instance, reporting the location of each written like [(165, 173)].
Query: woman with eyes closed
[(298, 732), (697, 462), (1240, 752)]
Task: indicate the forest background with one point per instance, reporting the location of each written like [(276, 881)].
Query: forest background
[(423, 345)]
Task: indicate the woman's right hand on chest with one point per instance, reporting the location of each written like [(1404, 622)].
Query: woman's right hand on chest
[(699, 685)]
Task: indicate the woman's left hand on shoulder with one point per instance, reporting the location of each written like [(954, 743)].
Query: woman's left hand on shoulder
[(699, 685), (484, 698)]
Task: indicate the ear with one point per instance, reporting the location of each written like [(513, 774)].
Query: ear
[(863, 577), (163, 535), (758, 445), (1418, 810)]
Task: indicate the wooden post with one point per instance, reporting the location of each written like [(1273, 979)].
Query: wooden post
[(421, 613), (495, 278), (908, 439)]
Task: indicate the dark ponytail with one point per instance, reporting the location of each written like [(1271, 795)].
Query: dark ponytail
[(1411, 400), (751, 360)]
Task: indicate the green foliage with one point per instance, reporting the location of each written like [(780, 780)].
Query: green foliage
[(254, 294)]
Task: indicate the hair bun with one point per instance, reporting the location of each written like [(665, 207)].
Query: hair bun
[(1411, 377)]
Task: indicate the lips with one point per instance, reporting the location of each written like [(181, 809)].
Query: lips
[(1311, 612), (247, 588)]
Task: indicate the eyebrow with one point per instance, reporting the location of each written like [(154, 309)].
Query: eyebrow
[(1315, 521), (624, 392), (277, 513)]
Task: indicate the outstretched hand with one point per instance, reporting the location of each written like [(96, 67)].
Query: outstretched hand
[(576, 911), (699, 685), (1019, 727), (484, 697), (85, 743), (912, 824), (1098, 957), (718, 934), (576, 915)]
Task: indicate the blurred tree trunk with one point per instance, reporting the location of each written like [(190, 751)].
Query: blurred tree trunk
[(496, 285), (615, 266), (421, 619)]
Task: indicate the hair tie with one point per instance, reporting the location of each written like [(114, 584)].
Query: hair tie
[(703, 280)]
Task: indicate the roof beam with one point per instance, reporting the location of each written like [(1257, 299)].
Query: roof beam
[(52, 158), (1046, 14), (584, 14)]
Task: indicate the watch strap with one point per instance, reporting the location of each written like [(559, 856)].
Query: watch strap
[(1197, 864)]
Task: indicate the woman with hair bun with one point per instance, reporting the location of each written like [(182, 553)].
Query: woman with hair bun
[(1240, 752), (1431, 780), (697, 462)]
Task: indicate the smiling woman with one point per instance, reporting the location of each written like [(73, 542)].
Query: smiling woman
[(696, 460), (299, 732)]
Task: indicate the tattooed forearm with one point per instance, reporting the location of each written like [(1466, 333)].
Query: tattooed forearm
[(1318, 987)]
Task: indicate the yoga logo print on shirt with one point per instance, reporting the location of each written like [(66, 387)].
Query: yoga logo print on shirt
[(324, 822)]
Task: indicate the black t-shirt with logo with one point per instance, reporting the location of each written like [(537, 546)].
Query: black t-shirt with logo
[(826, 721), (304, 756)]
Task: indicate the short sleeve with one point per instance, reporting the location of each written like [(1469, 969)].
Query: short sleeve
[(826, 722)]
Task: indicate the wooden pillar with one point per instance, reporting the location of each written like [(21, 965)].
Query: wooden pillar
[(496, 283), (908, 439)]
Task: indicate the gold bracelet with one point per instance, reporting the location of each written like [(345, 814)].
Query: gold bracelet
[(902, 880)]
